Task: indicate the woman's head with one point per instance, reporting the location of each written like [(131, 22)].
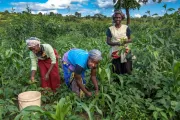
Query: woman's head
[(118, 16), (94, 58), (33, 44)]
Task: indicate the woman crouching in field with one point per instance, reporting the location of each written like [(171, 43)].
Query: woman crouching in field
[(47, 59), (75, 63)]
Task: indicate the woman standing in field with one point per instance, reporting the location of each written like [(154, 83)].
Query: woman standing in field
[(118, 37), (75, 63), (47, 59)]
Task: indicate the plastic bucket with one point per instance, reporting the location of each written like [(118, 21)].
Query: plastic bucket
[(29, 98)]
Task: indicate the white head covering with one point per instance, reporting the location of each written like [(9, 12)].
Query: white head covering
[(95, 55), (33, 41)]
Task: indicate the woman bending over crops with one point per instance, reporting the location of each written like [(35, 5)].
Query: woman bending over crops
[(118, 37), (75, 63), (47, 59)]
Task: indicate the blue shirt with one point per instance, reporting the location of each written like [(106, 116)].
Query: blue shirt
[(78, 57)]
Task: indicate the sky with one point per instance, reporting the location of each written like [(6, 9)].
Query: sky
[(85, 7)]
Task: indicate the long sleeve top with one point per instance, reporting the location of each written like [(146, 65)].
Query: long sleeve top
[(48, 52)]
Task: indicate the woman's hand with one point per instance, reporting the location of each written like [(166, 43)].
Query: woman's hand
[(89, 94), (127, 41), (32, 79), (47, 76), (96, 92), (33, 72), (49, 71)]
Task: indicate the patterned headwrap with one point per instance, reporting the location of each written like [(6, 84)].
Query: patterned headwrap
[(33, 41), (118, 12)]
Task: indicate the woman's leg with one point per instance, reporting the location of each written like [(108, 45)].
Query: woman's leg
[(67, 74), (128, 66), (116, 68), (75, 87), (54, 77), (43, 70), (121, 68)]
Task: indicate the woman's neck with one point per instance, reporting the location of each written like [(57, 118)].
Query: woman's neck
[(117, 25)]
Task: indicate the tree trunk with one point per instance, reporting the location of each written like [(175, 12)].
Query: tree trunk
[(128, 16)]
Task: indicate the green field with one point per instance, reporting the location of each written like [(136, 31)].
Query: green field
[(151, 92)]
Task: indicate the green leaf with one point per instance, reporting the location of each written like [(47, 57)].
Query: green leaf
[(10, 101), (174, 104), (50, 115), (152, 107), (85, 107), (164, 115), (176, 70), (18, 117), (108, 73), (159, 39), (1, 109), (2, 102), (33, 109), (159, 109), (1, 92), (156, 54), (21, 115), (120, 79), (155, 115), (62, 109), (108, 97), (159, 94), (98, 110), (177, 108)]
